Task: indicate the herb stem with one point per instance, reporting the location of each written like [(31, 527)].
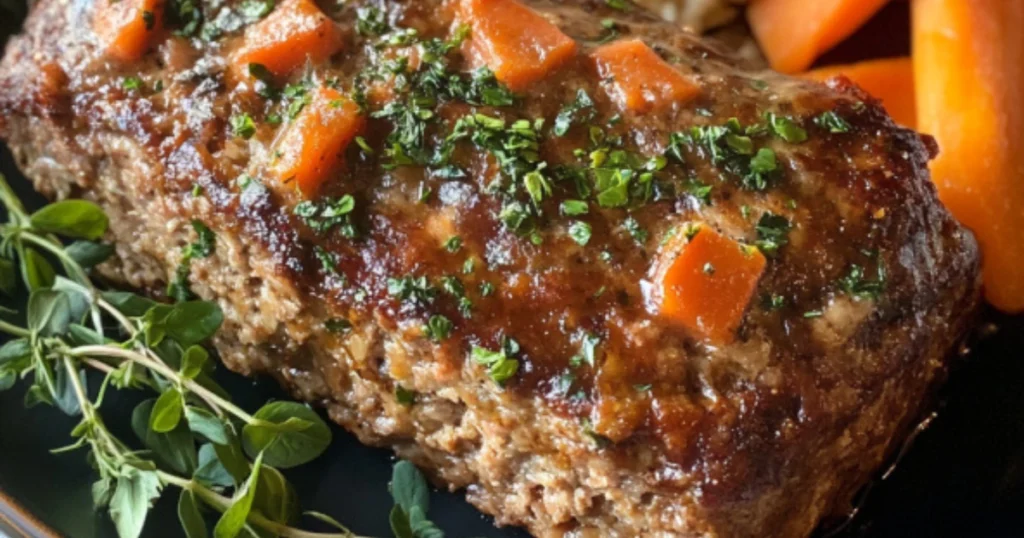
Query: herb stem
[(215, 401), (222, 503), (70, 265), (14, 330)]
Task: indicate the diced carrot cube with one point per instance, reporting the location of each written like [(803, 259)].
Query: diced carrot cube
[(128, 28), (314, 145), (296, 31), (514, 41), (889, 80), (706, 285), (640, 80)]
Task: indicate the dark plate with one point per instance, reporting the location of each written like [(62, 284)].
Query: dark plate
[(963, 475)]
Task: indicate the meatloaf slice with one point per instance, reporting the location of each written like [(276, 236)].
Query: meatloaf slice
[(476, 281)]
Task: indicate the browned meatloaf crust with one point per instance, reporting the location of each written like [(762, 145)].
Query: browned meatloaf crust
[(657, 432)]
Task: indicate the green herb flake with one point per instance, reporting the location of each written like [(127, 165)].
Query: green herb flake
[(404, 396), (438, 328), (453, 244), (338, 325), (131, 83), (580, 232), (243, 126), (832, 122), (573, 208), (772, 233), (786, 128)]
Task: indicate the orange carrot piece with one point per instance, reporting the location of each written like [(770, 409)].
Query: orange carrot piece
[(641, 81), (793, 33), (314, 145), (128, 28), (514, 41), (709, 283), (969, 65), (890, 81), (295, 31)]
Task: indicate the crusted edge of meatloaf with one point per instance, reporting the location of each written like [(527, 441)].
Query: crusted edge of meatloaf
[(549, 477)]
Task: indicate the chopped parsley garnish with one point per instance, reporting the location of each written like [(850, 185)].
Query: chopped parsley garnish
[(206, 241), (786, 128), (772, 233), (621, 5), (413, 289), (338, 325), (202, 247), (772, 302), (328, 213), (327, 260), (731, 148), (611, 31), (580, 232), (857, 284), (404, 396), (635, 231), (371, 21), (438, 328), (453, 244), (699, 190), (486, 289), (573, 208), (588, 351), (500, 364), (131, 83), (243, 126), (452, 286), (832, 122), (581, 109), (761, 166)]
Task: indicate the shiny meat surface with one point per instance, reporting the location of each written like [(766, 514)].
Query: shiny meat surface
[(509, 243)]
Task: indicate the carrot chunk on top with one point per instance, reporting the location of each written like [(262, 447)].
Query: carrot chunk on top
[(314, 145), (128, 28), (514, 41), (295, 31), (639, 79), (706, 284)]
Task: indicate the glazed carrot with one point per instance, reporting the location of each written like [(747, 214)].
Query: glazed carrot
[(707, 285), (314, 145), (128, 28), (890, 81), (969, 66), (296, 31), (639, 79), (517, 43), (793, 33)]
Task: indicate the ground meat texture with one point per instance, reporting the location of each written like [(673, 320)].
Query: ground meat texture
[(614, 421)]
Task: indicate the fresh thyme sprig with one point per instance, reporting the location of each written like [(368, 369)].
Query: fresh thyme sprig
[(219, 456)]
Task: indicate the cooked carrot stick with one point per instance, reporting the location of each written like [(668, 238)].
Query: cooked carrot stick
[(890, 81), (314, 145), (296, 31), (969, 65), (706, 284), (793, 33), (640, 80), (128, 28), (517, 43)]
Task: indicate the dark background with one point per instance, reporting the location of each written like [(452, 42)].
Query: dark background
[(963, 476)]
